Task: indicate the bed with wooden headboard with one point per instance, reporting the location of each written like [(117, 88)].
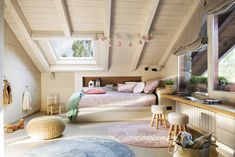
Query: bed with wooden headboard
[(104, 80), (115, 106)]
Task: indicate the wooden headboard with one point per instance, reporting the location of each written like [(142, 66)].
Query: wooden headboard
[(111, 80)]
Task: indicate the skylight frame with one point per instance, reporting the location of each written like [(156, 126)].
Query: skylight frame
[(60, 58)]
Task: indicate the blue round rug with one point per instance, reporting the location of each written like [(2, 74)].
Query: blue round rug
[(81, 147)]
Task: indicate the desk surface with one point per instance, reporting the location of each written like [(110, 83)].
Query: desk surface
[(225, 108)]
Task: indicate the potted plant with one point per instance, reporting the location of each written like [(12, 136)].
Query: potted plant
[(169, 85), (198, 83), (222, 82)]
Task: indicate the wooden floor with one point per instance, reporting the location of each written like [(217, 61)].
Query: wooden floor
[(18, 142)]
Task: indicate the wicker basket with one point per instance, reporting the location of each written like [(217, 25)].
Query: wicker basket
[(46, 127)]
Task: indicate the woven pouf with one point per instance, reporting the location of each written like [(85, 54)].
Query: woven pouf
[(46, 127)]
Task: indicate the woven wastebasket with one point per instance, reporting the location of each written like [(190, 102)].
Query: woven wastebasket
[(46, 127)]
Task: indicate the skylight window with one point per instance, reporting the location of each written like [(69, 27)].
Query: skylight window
[(73, 48)]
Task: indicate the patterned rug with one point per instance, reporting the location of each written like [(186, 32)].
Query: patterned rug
[(140, 134), (81, 147)]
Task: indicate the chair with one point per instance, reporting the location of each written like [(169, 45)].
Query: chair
[(53, 106), (158, 115), (178, 122)]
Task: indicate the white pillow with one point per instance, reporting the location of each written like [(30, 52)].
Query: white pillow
[(132, 83), (139, 87)]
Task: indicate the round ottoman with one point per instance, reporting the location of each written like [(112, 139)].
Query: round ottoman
[(46, 127)]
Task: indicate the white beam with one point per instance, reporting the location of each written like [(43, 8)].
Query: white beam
[(75, 68), (64, 17), (20, 20), (147, 24), (48, 35), (107, 24), (180, 29)]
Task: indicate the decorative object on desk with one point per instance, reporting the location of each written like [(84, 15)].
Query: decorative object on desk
[(12, 128), (212, 102), (169, 85), (7, 96), (97, 82), (91, 83), (197, 83)]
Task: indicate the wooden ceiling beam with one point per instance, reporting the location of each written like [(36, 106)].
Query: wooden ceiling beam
[(64, 17), (147, 24), (49, 35), (193, 6), (20, 20), (107, 26)]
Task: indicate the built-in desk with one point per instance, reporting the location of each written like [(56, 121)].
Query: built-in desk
[(225, 109), (219, 119)]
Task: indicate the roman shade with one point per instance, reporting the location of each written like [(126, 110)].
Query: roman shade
[(194, 36), (218, 6)]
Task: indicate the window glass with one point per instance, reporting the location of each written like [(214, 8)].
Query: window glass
[(73, 48), (225, 64)]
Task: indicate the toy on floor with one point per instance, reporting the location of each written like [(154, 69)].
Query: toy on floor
[(12, 128)]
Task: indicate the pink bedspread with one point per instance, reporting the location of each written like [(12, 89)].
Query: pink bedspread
[(117, 99)]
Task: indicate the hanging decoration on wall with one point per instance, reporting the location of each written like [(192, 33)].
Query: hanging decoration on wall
[(7, 93), (119, 43), (130, 44)]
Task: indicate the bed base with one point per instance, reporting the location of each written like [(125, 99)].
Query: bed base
[(114, 114)]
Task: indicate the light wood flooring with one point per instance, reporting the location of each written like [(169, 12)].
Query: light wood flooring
[(18, 142)]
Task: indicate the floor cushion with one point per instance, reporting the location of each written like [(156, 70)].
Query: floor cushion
[(45, 127)]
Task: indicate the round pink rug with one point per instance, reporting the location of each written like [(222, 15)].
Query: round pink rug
[(140, 134)]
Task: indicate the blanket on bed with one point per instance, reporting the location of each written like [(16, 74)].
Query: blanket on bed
[(73, 106)]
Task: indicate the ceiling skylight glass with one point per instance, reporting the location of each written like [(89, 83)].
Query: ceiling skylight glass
[(73, 48)]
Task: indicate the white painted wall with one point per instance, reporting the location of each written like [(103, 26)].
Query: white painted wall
[(62, 86), (171, 67), (1, 71), (20, 72)]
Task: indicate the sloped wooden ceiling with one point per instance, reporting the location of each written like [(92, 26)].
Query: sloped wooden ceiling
[(130, 19)]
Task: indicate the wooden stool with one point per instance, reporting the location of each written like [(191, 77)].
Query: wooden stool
[(178, 122), (158, 115)]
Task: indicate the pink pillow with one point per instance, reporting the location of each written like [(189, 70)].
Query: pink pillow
[(150, 86), (126, 88), (94, 91), (139, 87)]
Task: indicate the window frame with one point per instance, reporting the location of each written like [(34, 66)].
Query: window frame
[(213, 49), (76, 60)]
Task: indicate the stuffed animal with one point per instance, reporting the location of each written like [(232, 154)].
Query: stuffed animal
[(12, 128)]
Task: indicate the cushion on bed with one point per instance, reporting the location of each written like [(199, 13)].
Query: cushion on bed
[(126, 88), (94, 91), (139, 87), (150, 86), (132, 83)]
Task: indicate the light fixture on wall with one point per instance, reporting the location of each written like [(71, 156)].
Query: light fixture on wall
[(150, 68)]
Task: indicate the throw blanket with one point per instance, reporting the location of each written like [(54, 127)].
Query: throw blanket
[(73, 106)]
